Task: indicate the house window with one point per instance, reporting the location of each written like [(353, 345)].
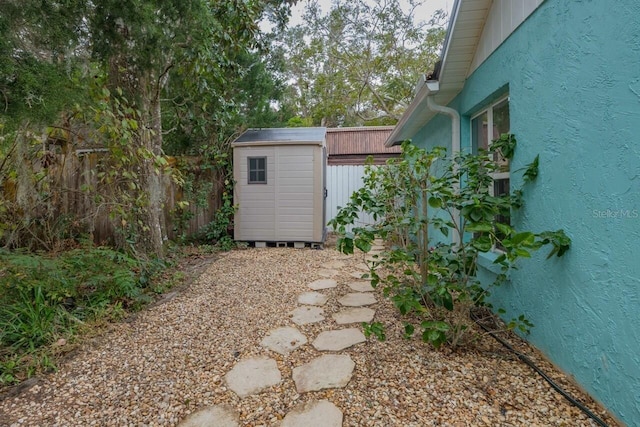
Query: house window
[(257, 170), (485, 127)]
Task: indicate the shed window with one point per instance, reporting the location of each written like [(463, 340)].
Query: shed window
[(257, 170)]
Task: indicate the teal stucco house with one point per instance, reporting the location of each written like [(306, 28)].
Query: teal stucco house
[(564, 77)]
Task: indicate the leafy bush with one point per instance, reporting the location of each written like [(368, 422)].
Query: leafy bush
[(218, 230), (416, 200), (45, 298)]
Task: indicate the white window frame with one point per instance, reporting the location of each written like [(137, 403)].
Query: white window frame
[(494, 175), (489, 111)]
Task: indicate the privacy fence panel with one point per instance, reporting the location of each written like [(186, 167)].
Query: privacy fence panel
[(342, 181), (75, 191)]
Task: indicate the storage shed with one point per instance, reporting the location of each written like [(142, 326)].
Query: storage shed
[(280, 186)]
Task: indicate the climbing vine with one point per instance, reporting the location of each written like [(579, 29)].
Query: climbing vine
[(439, 215)]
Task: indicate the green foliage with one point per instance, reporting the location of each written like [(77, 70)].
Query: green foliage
[(218, 230), (357, 63), (115, 59), (46, 298), (415, 200), (374, 328), (531, 173)]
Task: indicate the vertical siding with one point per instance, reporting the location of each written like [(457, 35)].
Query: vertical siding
[(504, 17), (342, 181), (288, 208), (295, 193), (256, 215)]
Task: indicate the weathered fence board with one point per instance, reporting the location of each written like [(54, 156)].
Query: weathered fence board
[(74, 186)]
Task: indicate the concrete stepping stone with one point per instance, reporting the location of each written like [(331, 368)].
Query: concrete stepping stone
[(251, 376), (354, 315), (357, 299), (361, 286), (338, 340), (323, 284), (316, 413), (371, 257), (312, 298), (328, 371), (363, 266), (284, 340), (306, 314), (358, 275), (377, 248), (213, 416), (333, 265), (327, 273)]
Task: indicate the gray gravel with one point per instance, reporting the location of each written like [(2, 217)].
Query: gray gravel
[(171, 360)]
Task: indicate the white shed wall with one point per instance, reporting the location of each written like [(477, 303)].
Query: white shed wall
[(342, 181), (289, 206)]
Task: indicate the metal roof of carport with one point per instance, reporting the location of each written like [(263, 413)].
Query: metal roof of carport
[(465, 28), (276, 136)]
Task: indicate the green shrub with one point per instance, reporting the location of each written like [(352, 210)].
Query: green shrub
[(44, 298), (415, 200)]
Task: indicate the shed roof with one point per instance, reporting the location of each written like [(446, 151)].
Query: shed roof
[(267, 136)]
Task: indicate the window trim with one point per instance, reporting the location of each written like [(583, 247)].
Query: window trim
[(256, 170), (494, 175), (489, 110)]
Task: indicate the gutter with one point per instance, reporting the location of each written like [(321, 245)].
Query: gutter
[(421, 91), (455, 143)]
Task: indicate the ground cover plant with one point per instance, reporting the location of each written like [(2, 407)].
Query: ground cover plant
[(46, 299), (430, 277)]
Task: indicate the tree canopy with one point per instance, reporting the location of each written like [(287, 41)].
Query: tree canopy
[(358, 62), (127, 69)]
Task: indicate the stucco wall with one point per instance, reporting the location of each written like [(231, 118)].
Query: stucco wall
[(572, 71)]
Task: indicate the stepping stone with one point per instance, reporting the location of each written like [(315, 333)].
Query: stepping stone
[(327, 273), (328, 371), (284, 340), (312, 298), (338, 340), (357, 299), (377, 248), (323, 284), (317, 413), (253, 375), (361, 286), (305, 315), (213, 416), (363, 266), (333, 265), (354, 315), (358, 275)]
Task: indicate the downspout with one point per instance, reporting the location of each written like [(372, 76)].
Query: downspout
[(455, 145)]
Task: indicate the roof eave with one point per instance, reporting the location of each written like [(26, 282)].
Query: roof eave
[(450, 81), (424, 88)]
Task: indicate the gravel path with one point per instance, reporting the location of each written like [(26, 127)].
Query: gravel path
[(171, 361)]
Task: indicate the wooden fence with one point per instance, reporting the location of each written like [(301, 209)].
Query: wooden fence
[(74, 187)]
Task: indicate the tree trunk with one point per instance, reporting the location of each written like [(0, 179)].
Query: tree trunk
[(151, 112)]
